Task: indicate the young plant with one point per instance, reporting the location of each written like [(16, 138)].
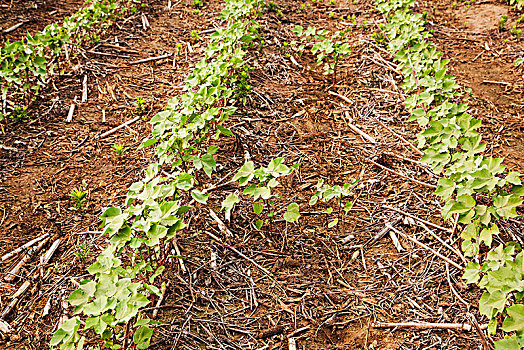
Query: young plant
[(260, 192), (243, 88), (476, 188), (326, 193), (123, 277), (119, 149), (327, 49), (502, 22), (19, 113), (27, 65), (140, 105), (79, 196), (83, 250), (517, 33), (194, 36)]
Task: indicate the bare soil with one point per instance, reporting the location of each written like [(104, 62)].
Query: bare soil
[(330, 284)]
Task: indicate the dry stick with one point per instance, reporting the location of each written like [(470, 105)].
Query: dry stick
[(360, 132), (426, 247), (240, 254), (163, 291), (44, 259), (424, 325), (453, 249), (11, 275), (27, 245), (298, 331), (180, 260), (292, 344), (107, 133), (151, 59), (5, 327), (417, 218), (396, 242), (393, 154), (403, 176), (8, 309), (84, 89), (220, 223), (401, 138), (341, 96), (478, 328), (21, 290), (13, 28), (379, 235), (71, 112), (453, 289)]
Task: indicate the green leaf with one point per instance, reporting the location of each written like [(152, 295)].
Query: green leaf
[(142, 337), (78, 297), (222, 130), (470, 248), (506, 206), (199, 196), (515, 319), (257, 208), (313, 200), (473, 145), (486, 235), (348, 206), (333, 223), (245, 173), (508, 343), (148, 142), (293, 213), (491, 304), (514, 178), (472, 272), (230, 202), (259, 224), (262, 192), (209, 164), (445, 188), (157, 273), (212, 149)]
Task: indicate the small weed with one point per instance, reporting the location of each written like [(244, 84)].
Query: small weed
[(79, 196), (502, 23), (178, 49), (272, 6), (119, 149), (516, 32), (194, 36), (19, 113), (243, 86), (82, 251), (140, 105), (198, 3)]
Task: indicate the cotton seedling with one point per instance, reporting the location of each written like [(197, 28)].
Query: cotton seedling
[(328, 50), (27, 65), (261, 191), (326, 193), (124, 276), (476, 189)]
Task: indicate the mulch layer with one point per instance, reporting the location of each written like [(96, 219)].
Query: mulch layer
[(324, 288)]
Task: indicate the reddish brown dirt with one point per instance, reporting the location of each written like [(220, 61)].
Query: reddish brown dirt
[(322, 279), (34, 16)]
